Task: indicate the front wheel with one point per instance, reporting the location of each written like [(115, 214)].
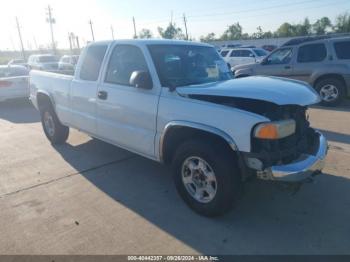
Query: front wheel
[(206, 177), (331, 91), (54, 130)]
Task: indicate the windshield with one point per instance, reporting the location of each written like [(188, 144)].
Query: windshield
[(182, 65), (47, 58), (260, 52)]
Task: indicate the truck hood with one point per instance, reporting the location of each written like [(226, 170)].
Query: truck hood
[(276, 90)]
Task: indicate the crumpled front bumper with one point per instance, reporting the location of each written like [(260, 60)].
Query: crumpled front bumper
[(300, 169)]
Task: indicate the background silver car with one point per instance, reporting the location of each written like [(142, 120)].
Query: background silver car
[(45, 62), (14, 82), (323, 63)]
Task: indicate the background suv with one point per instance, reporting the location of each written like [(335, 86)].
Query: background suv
[(43, 62), (239, 56), (323, 63), (68, 62)]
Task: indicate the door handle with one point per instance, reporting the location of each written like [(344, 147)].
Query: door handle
[(287, 67), (102, 95)]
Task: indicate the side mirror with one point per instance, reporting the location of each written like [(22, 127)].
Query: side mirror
[(264, 61), (141, 79)]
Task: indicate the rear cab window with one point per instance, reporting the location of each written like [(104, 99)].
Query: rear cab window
[(92, 61), (342, 49), (312, 53)]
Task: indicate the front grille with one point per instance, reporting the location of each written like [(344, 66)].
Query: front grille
[(288, 149)]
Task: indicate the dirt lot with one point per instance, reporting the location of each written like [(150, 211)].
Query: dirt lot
[(87, 197)]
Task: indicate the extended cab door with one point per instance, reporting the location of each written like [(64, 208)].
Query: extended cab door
[(84, 88), (126, 115)]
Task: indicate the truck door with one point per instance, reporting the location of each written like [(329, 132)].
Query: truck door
[(126, 116), (84, 89)]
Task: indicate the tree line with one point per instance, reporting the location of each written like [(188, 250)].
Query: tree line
[(235, 31)]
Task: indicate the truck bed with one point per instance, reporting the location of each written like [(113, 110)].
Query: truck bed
[(55, 85)]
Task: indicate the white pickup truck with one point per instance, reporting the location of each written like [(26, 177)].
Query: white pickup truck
[(175, 102)]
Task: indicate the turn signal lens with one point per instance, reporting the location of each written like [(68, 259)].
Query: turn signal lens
[(275, 130)]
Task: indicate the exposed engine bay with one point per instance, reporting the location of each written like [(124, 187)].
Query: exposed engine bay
[(274, 152)]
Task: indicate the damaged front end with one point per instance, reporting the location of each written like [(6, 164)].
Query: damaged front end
[(290, 158)]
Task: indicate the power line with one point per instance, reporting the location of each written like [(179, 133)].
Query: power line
[(254, 10), (269, 14)]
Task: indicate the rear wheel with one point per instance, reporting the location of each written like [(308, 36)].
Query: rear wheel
[(54, 130), (206, 177), (331, 91)]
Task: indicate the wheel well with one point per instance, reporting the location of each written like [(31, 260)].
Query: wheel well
[(177, 135), (328, 76), (43, 100)]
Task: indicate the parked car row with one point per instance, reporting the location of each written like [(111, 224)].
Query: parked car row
[(47, 62), (238, 56), (14, 82), (14, 77)]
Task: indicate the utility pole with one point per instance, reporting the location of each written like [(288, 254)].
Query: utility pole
[(185, 22), (20, 39), (133, 20), (112, 31), (78, 45), (92, 31), (51, 21), (35, 43), (70, 42)]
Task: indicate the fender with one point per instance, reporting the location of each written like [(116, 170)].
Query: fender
[(44, 92), (194, 125)]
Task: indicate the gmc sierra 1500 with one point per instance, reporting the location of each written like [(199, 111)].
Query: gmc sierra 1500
[(176, 102)]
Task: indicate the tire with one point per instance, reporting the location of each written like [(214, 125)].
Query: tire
[(330, 87), (217, 161), (54, 130)]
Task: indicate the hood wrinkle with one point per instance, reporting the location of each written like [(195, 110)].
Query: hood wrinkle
[(279, 91)]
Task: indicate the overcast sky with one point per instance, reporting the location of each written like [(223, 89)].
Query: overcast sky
[(204, 16)]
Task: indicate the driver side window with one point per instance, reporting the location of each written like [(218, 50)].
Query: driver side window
[(124, 60), (280, 57)]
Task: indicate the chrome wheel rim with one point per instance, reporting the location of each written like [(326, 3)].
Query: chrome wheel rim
[(199, 179), (329, 93), (49, 124)]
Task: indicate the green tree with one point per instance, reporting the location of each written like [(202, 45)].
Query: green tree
[(171, 32), (285, 30), (303, 29), (258, 34), (342, 23), (233, 32), (321, 25), (208, 38), (145, 33)]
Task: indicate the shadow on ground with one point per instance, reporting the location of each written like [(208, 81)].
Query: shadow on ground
[(343, 107), (311, 218), (336, 137), (18, 111)]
